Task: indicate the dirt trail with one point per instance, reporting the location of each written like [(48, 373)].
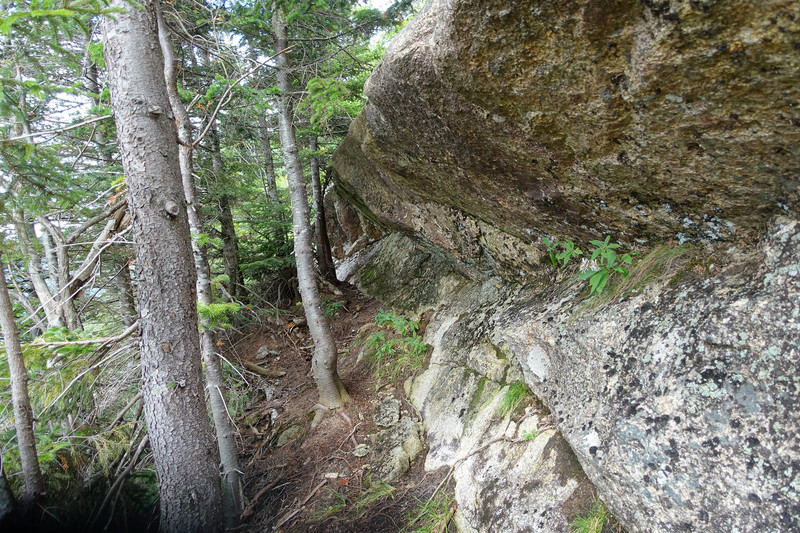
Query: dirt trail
[(300, 479)]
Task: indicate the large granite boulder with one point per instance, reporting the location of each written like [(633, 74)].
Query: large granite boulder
[(491, 124)]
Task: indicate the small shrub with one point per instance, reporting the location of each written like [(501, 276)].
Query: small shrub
[(608, 263), (331, 306), (530, 435), (396, 347)]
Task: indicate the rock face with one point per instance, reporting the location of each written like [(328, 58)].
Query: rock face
[(491, 124)]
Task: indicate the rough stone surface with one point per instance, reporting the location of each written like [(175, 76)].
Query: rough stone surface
[(398, 443), (503, 482), (387, 412), (491, 123), (681, 403)]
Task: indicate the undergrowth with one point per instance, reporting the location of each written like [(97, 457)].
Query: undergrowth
[(431, 516), (395, 347), (592, 521)]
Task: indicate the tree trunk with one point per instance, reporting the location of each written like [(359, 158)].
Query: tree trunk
[(33, 262), (64, 290), (23, 415), (230, 247), (127, 306), (232, 492), (230, 243), (270, 187), (174, 404), (324, 258), (332, 393)]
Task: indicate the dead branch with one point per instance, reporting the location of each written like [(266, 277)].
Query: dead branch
[(263, 371)]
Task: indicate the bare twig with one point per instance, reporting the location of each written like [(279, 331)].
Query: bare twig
[(59, 130)]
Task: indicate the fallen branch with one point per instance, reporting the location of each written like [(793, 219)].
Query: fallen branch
[(252, 505), (263, 371), (302, 505)]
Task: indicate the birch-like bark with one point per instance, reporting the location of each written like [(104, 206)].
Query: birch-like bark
[(332, 393), (33, 262), (23, 415), (232, 492), (183, 448)]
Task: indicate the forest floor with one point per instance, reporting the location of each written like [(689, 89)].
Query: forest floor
[(304, 479)]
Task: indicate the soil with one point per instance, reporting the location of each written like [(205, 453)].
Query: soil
[(314, 482)]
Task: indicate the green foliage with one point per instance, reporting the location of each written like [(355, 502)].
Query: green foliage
[(591, 521), (397, 347), (569, 251), (513, 397), (530, 435), (218, 314), (376, 491), (431, 516), (331, 306), (608, 263), (339, 504)]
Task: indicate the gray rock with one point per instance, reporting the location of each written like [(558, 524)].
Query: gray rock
[(387, 412), (492, 123), (396, 449), (265, 352)]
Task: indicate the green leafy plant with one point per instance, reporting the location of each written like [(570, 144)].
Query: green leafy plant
[(331, 306), (513, 397), (591, 521), (397, 347), (531, 434), (218, 315), (608, 263), (569, 251)]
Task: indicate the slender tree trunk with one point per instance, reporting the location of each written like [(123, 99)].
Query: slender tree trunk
[(23, 415), (174, 404), (232, 495), (64, 290), (230, 247), (127, 306), (230, 242), (33, 262), (270, 187), (332, 393), (273, 201), (323, 245)]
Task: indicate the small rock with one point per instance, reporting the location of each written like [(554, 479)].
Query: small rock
[(264, 352), (387, 413), (290, 434), (361, 450)]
